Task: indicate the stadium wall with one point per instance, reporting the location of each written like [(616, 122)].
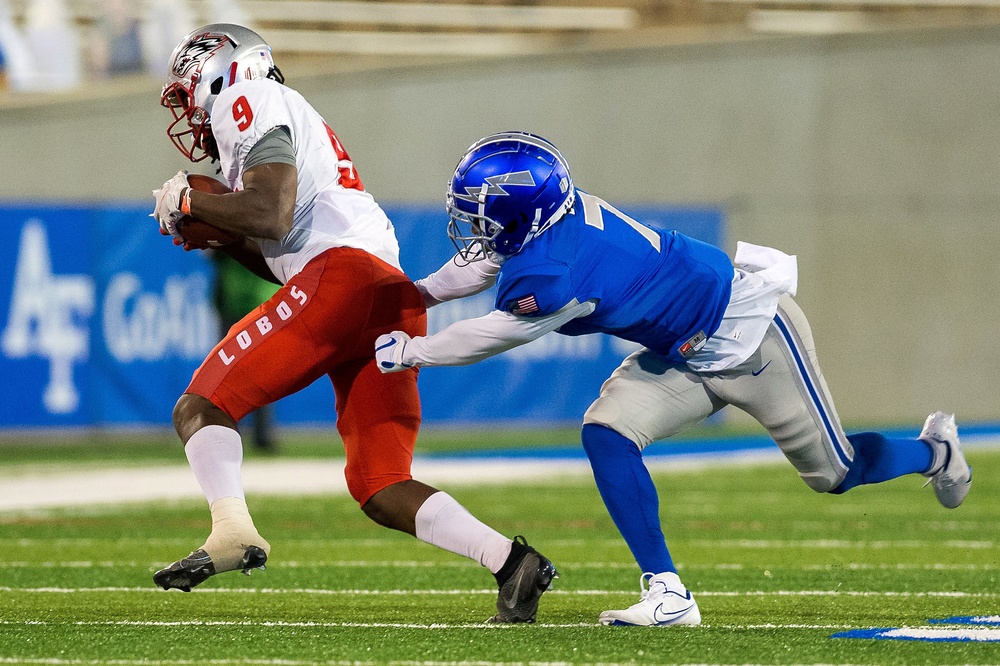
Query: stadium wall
[(871, 157)]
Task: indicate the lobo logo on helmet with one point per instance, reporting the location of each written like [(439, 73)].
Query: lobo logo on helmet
[(196, 52)]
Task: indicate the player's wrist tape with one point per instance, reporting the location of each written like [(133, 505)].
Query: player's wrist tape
[(186, 201)]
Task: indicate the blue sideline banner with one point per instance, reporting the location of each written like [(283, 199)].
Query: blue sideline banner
[(102, 322)]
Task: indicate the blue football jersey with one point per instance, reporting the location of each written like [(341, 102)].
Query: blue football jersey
[(661, 289)]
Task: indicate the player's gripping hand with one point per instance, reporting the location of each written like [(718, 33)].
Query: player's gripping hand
[(169, 201), (389, 352)]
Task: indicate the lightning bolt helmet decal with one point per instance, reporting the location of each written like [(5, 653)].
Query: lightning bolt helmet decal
[(494, 186)]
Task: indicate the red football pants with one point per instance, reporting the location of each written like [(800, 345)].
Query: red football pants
[(324, 321)]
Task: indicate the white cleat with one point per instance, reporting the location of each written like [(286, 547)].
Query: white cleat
[(951, 475), (663, 603)]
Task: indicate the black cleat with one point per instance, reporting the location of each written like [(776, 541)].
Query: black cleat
[(197, 567), (523, 578)]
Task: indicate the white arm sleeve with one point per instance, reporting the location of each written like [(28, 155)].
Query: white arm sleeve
[(472, 340), (456, 281)]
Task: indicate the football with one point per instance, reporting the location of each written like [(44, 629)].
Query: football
[(197, 232)]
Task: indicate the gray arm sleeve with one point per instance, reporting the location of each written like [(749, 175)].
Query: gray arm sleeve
[(275, 146)]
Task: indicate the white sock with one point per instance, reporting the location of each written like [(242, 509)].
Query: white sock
[(216, 454), (443, 522)]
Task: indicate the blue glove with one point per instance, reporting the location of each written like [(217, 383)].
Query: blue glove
[(389, 352)]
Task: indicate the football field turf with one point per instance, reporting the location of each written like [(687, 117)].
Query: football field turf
[(881, 575)]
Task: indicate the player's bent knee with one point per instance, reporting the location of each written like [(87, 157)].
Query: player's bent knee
[(603, 412), (822, 482), (606, 412), (193, 412), (364, 487), (185, 411)]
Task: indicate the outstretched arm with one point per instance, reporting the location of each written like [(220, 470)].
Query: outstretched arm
[(455, 280), (471, 340)]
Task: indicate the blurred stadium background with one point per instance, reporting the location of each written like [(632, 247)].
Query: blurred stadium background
[(859, 135)]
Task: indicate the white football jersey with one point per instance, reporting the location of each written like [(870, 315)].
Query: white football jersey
[(332, 208)]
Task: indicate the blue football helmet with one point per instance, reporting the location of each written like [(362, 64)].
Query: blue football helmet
[(507, 189)]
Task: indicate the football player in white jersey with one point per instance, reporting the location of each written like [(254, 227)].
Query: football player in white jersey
[(306, 222)]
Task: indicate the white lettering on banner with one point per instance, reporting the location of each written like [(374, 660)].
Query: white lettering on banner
[(147, 326), (264, 325), (284, 312), (244, 340), (48, 317)]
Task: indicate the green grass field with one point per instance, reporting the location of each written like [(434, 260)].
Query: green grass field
[(777, 571)]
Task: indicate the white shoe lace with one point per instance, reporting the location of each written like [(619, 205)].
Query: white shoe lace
[(648, 587)]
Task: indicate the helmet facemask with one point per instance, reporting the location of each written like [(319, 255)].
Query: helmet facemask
[(472, 235), (191, 130), (476, 236)]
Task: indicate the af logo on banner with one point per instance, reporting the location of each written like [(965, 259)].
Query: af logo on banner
[(101, 321), (48, 318)]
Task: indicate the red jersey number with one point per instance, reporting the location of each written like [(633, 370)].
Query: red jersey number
[(242, 113), (349, 178)]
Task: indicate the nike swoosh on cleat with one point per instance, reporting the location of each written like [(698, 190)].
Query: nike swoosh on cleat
[(667, 617), (761, 370), (513, 598)]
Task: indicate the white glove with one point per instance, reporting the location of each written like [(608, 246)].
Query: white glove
[(168, 203), (389, 352)]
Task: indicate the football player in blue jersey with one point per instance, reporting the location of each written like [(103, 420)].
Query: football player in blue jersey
[(712, 334)]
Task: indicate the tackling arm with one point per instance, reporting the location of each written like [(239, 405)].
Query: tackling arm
[(471, 340), (454, 280)]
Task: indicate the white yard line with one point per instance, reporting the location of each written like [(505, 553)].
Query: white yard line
[(464, 564), (54, 661), (267, 591)]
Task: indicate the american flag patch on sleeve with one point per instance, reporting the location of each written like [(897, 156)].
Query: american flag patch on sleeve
[(523, 306)]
